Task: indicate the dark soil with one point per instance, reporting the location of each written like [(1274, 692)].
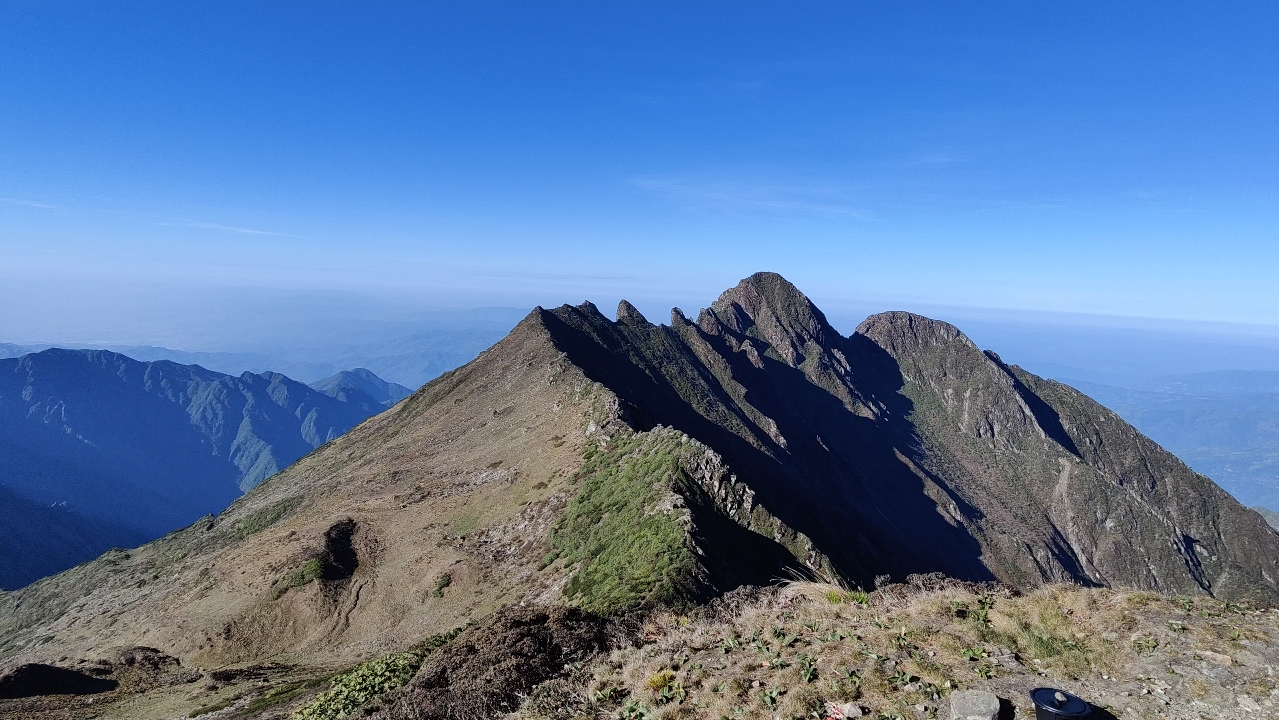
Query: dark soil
[(145, 657), (485, 669), (339, 559)]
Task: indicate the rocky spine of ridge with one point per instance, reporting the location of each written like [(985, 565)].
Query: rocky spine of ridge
[(1062, 489), (904, 448)]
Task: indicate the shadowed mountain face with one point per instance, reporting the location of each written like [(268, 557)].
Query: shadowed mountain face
[(904, 448), (39, 540), (115, 451)]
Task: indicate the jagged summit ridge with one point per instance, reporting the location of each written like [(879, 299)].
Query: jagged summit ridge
[(863, 443), (897, 329), (768, 305), (627, 312)]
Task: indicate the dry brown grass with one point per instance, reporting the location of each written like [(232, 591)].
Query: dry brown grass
[(904, 649)]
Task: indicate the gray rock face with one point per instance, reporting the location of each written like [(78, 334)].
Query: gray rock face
[(973, 705), (905, 449)]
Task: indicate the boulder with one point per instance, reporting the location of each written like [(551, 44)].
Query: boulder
[(973, 705)]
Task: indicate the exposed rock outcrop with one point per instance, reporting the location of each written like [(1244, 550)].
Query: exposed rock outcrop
[(904, 448)]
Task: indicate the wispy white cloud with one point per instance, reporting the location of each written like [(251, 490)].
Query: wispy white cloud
[(760, 196), (226, 228), (29, 203)]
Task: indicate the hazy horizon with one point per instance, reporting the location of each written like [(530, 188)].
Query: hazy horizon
[(163, 162), (313, 335)]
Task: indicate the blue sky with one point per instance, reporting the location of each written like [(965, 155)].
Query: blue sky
[(1069, 157)]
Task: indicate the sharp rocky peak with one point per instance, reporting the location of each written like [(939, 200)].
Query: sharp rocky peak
[(898, 331), (627, 312), (768, 306)]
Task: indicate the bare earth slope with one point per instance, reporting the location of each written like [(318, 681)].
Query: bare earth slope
[(463, 454)]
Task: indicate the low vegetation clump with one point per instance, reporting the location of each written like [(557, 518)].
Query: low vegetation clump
[(441, 582), (625, 530), (264, 518), (308, 572), (362, 683), (811, 650), (354, 688), (208, 709), (311, 570), (281, 695)]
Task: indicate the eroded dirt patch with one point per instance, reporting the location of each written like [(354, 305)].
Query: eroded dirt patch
[(486, 669)]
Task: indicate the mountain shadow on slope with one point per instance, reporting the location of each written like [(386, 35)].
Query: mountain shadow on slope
[(1047, 418), (905, 449), (36, 679), (664, 382), (39, 540)]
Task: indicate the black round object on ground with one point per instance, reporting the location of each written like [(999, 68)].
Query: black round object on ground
[(1053, 704)]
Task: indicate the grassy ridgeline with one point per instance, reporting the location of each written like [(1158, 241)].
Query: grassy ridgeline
[(626, 529)]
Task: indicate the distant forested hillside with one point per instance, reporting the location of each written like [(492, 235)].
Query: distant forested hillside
[(1223, 424), (99, 450)]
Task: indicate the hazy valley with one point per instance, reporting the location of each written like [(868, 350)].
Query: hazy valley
[(98, 450)]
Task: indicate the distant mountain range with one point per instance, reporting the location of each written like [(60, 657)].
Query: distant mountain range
[(1223, 424), (411, 354), (9, 350), (347, 383), (1271, 517), (100, 450)]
